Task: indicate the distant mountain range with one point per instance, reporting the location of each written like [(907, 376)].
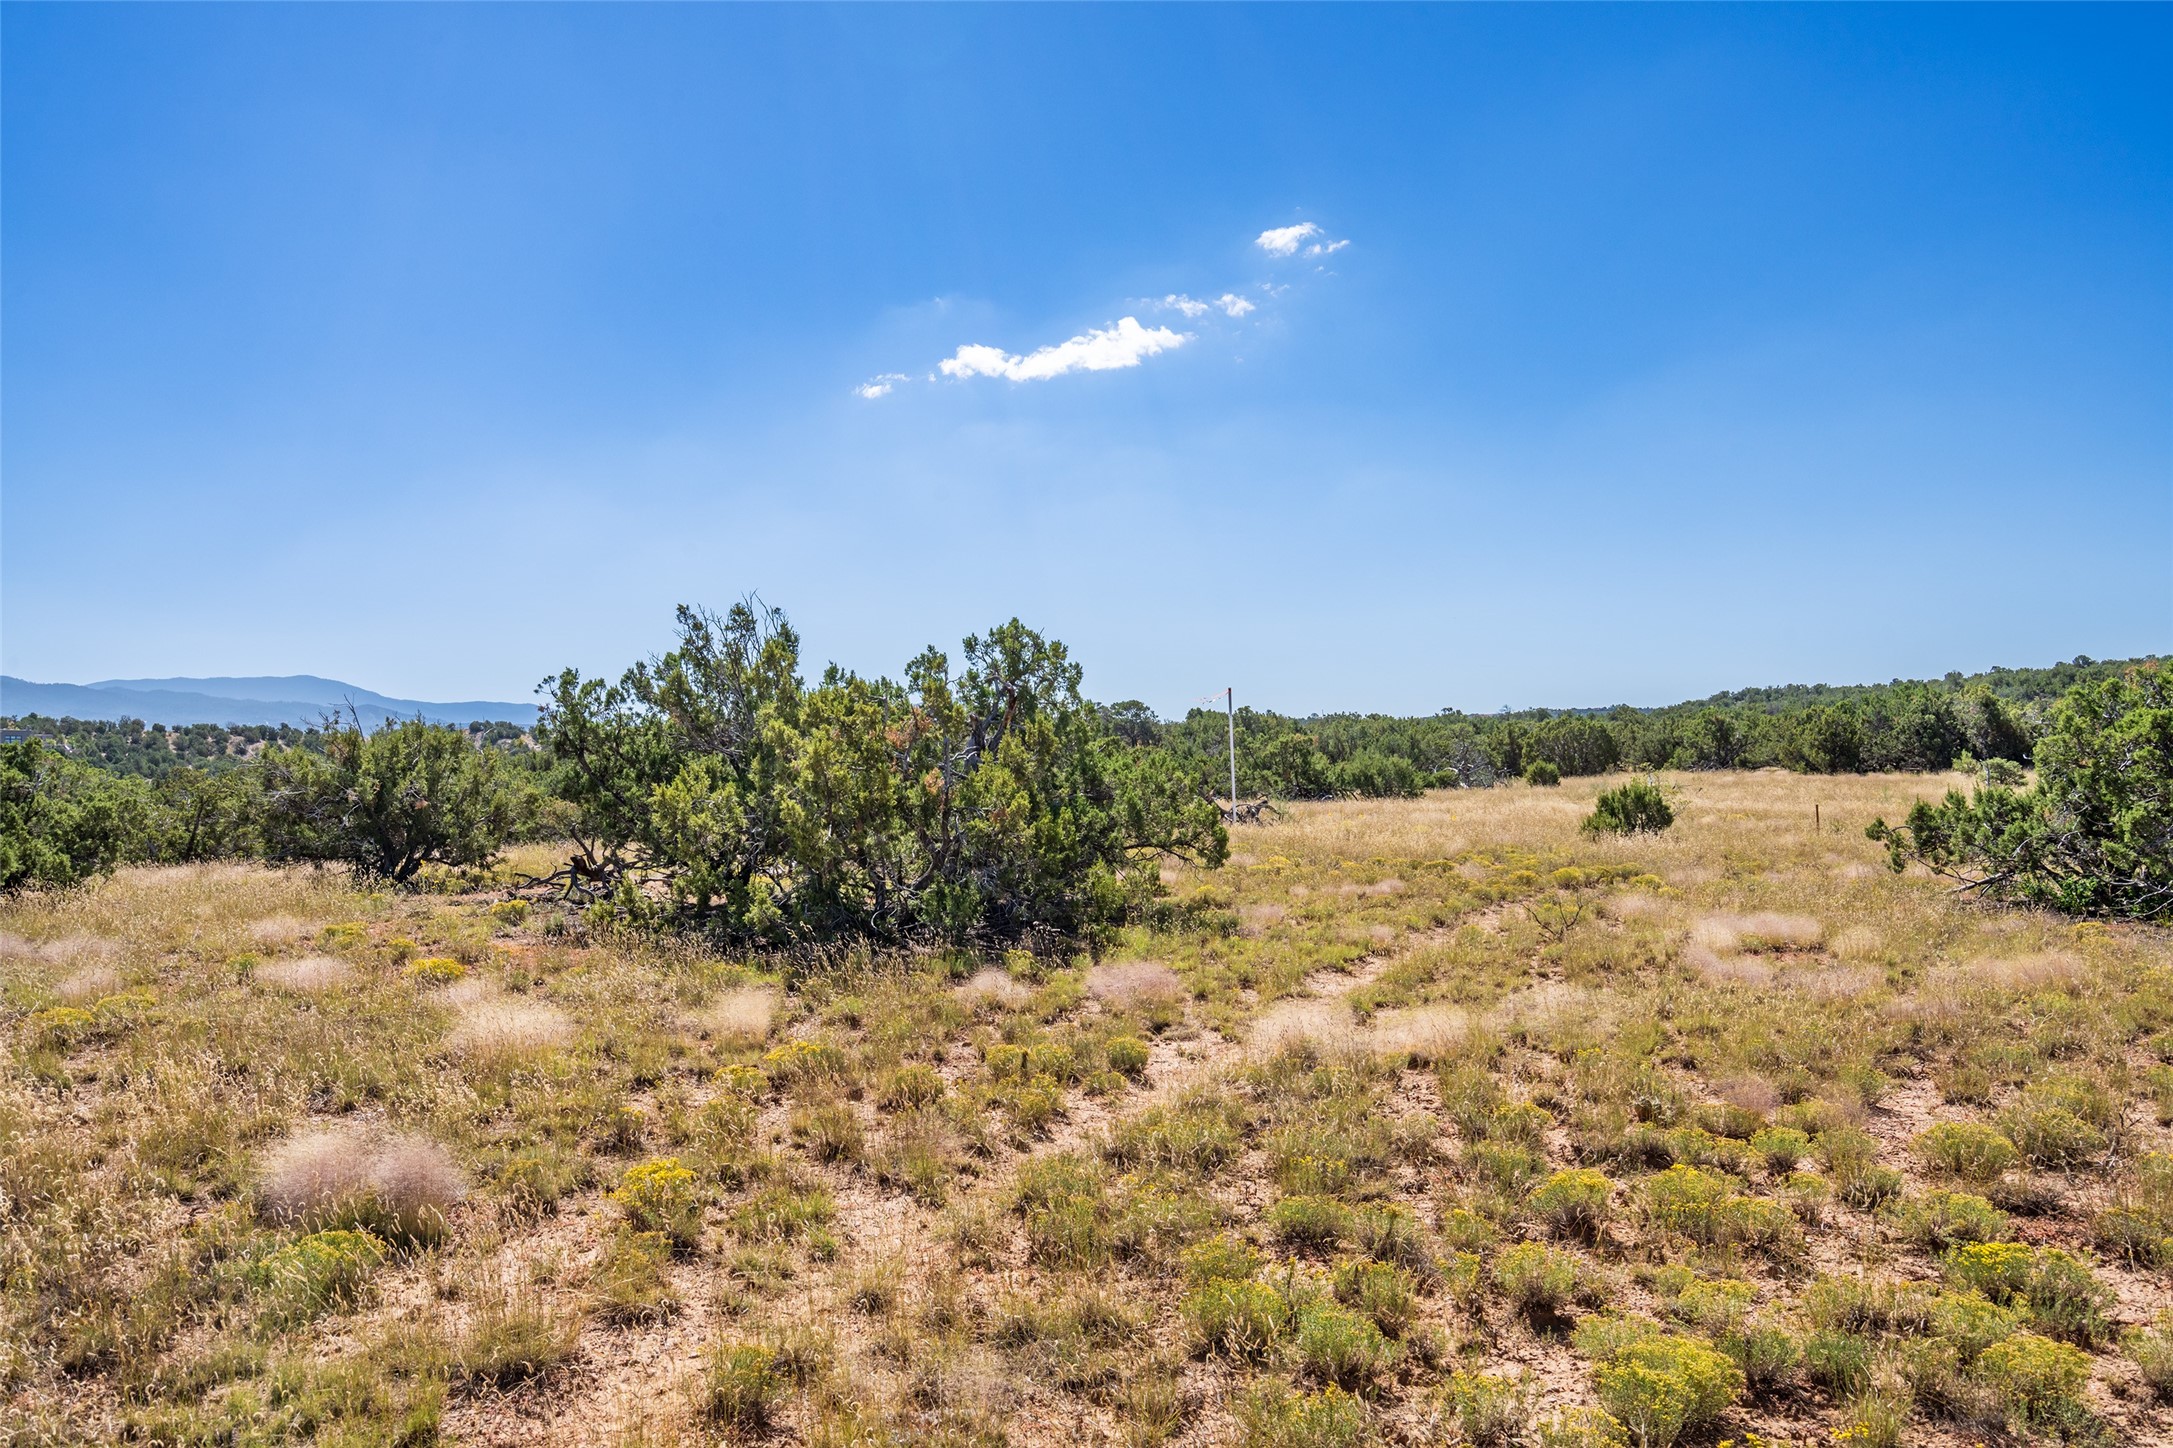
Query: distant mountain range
[(299, 699)]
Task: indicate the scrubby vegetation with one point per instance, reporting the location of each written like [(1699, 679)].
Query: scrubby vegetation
[(1419, 1121)]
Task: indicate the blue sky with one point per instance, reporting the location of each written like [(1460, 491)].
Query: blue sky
[(1671, 350)]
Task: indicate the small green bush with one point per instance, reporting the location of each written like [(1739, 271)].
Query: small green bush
[(1271, 1416), (1491, 1410), (2052, 1137), (1340, 1347), (2151, 1350), (1941, 1219), (1839, 1362), (1381, 1290), (318, 1273), (1242, 1320), (628, 1279), (1127, 1054), (1966, 1149), (1999, 1270), (910, 1086), (1632, 809), (1661, 1386), (662, 1196), (1220, 1258), (2037, 1379), (1766, 1356), (1542, 774), (741, 1386), (1781, 1146), (1304, 1221), (1536, 1279), (1573, 1203)]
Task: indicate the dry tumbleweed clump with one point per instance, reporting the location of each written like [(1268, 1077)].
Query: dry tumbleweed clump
[(406, 1185)]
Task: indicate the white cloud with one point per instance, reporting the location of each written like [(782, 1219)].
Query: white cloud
[(1100, 350), (1179, 302), (879, 386), (1233, 305), (1284, 240)]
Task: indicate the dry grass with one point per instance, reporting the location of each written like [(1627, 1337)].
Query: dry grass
[(1427, 1034), (994, 987), (309, 974), (319, 1176), (492, 1026), (1131, 983), (88, 983), (1473, 1041), (742, 1016)]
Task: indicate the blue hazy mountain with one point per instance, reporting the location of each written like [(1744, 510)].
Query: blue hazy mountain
[(299, 699)]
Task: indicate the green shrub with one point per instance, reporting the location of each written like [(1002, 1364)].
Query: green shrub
[(2063, 1295), (1661, 1386), (2151, 1349), (1573, 1203), (2067, 1300), (1536, 1279), (2052, 1137), (909, 1087), (1491, 1410), (1967, 1149), (628, 1280), (1127, 1054), (318, 1273), (1999, 1270), (1631, 809), (1271, 1416), (1344, 1348), (1781, 1146), (1188, 1136), (390, 801), (1706, 1207), (1766, 1356), (514, 1336), (780, 1213), (741, 1386), (1940, 1219), (1381, 1290), (1542, 774), (2037, 1379), (1242, 1320), (1839, 1362), (1303, 1221), (435, 970), (1221, 1258), (662, 1196), (1971, 1322), (1027, 813)]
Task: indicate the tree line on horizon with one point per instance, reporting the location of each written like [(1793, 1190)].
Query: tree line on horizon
[(714, 786)]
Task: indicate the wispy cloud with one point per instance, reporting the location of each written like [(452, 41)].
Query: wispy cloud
[(1286, 240), (880, 385), (1101, 349), (1230, 304)]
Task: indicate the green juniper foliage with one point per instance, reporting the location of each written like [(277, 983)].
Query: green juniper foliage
[(989, 802), (2095, 837)]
